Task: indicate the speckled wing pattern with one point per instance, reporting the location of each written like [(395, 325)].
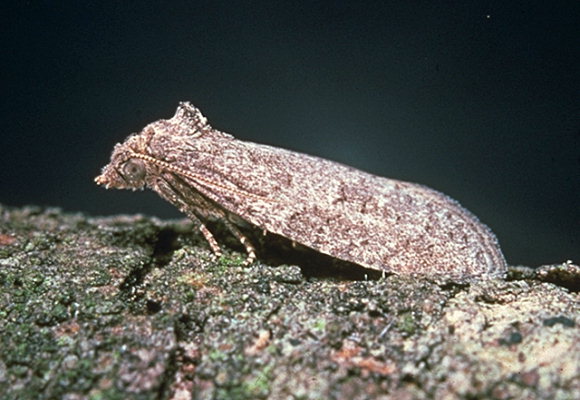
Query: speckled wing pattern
[(378, 223)]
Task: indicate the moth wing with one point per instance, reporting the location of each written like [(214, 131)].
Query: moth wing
[(351, 215)]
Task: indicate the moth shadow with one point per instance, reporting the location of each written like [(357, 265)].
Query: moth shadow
[(277, 250)]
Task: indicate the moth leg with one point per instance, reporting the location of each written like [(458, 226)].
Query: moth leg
[(171, 188), (213, 244), (250, 250)]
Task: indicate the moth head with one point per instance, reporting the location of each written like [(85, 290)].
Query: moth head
[(124, 171)]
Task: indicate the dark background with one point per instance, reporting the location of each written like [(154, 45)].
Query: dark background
[(478, 99)]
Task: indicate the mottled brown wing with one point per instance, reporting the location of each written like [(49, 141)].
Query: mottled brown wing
[(376, 222)]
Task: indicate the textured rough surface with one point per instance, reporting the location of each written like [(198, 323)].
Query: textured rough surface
[(130, 307), (378, 223)]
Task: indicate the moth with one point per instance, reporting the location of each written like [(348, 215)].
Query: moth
[(375, 222)]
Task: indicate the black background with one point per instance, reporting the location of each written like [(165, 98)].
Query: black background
[(478, 99)]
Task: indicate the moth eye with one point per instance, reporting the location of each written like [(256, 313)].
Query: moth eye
[(134, 170)]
